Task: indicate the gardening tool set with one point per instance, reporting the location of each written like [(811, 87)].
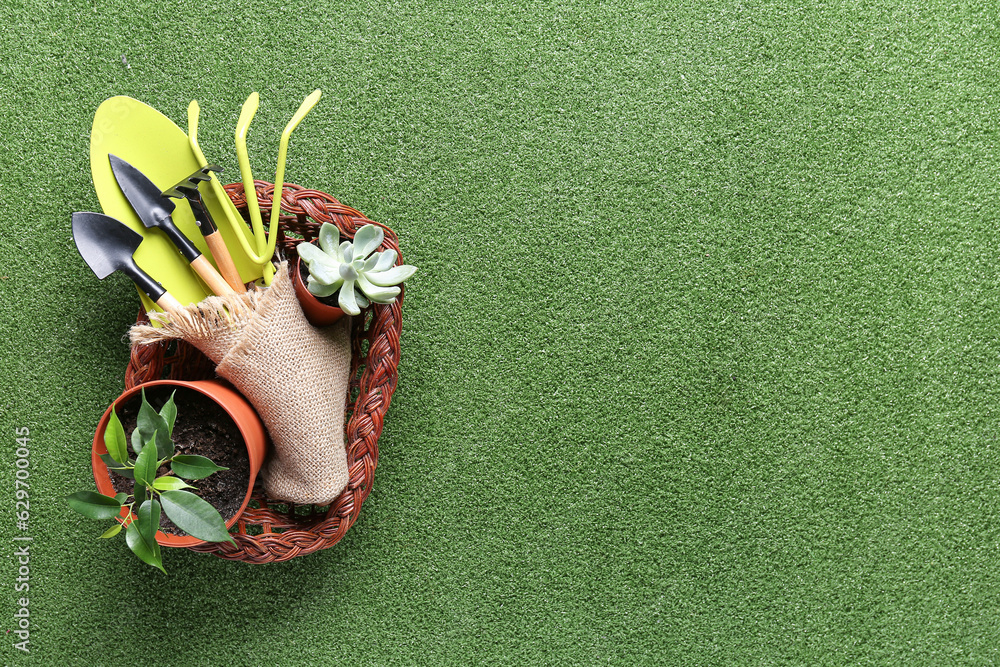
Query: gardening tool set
[(138, 147), (218, 303)]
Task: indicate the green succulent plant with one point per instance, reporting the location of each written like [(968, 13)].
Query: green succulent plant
[(361, 275), (151, 442)]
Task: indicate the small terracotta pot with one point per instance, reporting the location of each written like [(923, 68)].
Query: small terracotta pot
[(318, 313), (232, 402)]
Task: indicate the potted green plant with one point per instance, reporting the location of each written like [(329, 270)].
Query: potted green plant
[(142, 478), (336, 277)]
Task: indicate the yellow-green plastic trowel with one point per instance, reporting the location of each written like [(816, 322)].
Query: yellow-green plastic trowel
[(152, 143)]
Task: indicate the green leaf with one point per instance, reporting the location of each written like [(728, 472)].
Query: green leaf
[(317, 288), (148, 518), (137, 442), (145, 466), (117, 467), (112, 531), (329, 238), (114, 438), (310, 253), (195, 516), (346, 300), (386, 259), (94, 505), (148, 419), (153, 426), (376, 293), (147, 553), (324, 271), (169, 483), (191, 466), (390, 277), (366, 240), (169, 414), (164, 445), (120, 497)]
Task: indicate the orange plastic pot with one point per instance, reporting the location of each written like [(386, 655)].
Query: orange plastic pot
[(250, 426), (318, 313)]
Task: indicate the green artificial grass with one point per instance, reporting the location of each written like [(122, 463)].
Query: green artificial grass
[(700, 365)]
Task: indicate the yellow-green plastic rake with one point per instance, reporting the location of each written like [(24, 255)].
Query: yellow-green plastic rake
[(262, 250), (266, 241)]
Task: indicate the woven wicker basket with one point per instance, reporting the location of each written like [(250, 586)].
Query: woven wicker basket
[(273, 531)]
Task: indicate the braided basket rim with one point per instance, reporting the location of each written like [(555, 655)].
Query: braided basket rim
[(272, 530)]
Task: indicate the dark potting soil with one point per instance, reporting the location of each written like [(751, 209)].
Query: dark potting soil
[(202, 428)]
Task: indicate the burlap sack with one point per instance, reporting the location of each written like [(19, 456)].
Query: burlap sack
[(295, 376)]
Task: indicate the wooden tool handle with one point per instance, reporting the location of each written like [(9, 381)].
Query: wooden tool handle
[(225, 262), (211, 277), (168, 303)]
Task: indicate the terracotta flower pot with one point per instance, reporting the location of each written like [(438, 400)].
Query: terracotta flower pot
[(318, 313), (250, 426)]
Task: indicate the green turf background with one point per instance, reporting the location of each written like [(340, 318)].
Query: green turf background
[(700, 366)]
